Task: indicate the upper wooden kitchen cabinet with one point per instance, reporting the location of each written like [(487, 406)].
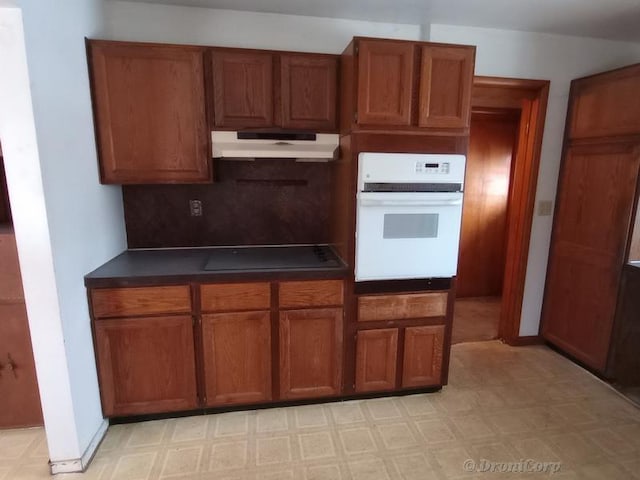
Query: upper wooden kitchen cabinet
[(405, 85), (242, 88), (150, 113), (309, 85), (385, 82), (265, 89), (446, 78)]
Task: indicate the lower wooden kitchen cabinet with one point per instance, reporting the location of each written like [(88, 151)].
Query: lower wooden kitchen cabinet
[(411, 354), (146, 364), (376, 359), (310, 353), (237, 357)]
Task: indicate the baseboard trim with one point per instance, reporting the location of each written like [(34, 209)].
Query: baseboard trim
[(524, 341), (78, 465)]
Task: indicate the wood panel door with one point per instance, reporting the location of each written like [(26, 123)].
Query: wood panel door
[(150, 112), (19, 395), (310, 353), (146, 365), (423, 351), (308, 92), (242, 89), (483, 236), (376, 359), (237, 357), (446, 78), (385, 82), (597, 190)]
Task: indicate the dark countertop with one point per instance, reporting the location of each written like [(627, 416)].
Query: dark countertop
[(182, 265)]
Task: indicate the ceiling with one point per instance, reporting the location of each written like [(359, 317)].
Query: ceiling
[(612, 19)]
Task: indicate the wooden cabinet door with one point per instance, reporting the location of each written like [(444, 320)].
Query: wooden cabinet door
[(446, 78), (242, 89), (376, 359), (150, 113), (596, 195), (146, 365), (423, 349), (310, 353), (19, 395), (385, 82), (308, 92), (237, 357)]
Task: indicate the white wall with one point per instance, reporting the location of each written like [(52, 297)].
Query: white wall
[(66, 223), (226, 28), (549, 57)]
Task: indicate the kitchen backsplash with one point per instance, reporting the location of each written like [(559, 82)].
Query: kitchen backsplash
[(250, 203)]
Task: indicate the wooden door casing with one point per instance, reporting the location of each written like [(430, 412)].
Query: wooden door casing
[(19, 394), (311, 353), (150, 112), (237, 357), (483, 236), (376, 359), (446, 79), (385, 82), (309, 87), (597, 190), (146, 365), (423, 355), (243, 89)]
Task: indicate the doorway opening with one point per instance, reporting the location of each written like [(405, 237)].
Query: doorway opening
[(507, 123)]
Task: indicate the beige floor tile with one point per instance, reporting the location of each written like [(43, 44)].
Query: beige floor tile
[(311, 416), (189, 429), (413, 467), (383, 408), (603, 472), (147, 434), (272, 420), (418, 405), (435, 431), (452, 461), (396, 435), (182, 461), (346, 413), (323, 472), (134, 467), (15, 443), (226, 456), (230, 424), (273, 450), (316, 445), (371, 469), (357, 440)]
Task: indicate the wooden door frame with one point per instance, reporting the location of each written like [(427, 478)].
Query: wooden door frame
[(530, 98)]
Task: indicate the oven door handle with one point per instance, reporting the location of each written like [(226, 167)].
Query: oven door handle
[(370, 202)]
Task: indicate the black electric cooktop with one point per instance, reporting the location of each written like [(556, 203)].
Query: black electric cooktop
[(271, 258)]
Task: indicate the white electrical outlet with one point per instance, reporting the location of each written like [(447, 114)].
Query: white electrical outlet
[(195, 207)]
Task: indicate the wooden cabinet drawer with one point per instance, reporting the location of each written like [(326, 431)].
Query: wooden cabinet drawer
[(235, 296), (310, 294), (398, 307), (120, 302)]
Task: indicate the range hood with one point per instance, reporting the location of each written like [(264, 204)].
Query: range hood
[(314, 147)]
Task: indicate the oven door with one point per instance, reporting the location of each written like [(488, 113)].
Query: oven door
[(407, 235)]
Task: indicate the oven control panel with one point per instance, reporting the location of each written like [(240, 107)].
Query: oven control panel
[(443, 168)]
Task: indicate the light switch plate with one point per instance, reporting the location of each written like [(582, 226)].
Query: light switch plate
[(545, 207)]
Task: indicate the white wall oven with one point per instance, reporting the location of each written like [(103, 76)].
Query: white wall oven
[(409, 212)]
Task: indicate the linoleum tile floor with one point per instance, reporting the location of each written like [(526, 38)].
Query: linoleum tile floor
[(503, 404)]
